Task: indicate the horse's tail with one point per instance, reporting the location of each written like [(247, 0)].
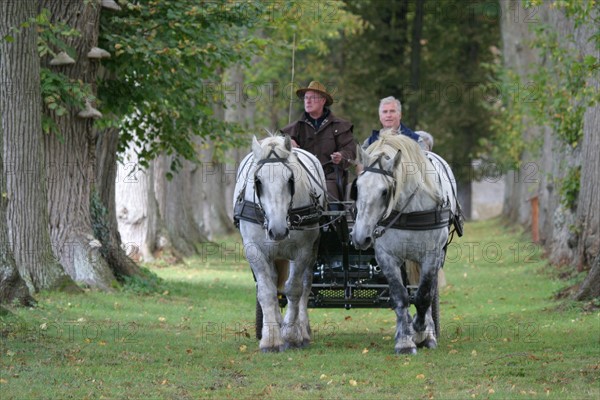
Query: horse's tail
[(413, 274)]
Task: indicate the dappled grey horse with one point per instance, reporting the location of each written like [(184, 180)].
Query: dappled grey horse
[(278, 201), (405, 203)]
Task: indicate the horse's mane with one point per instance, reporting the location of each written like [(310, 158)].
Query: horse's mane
[(414, 169)]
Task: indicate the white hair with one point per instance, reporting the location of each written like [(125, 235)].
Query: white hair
[(427, 138), (390, 99)]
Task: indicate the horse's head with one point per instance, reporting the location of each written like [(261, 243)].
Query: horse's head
[(376, 187), (274, 183), (395, 171)]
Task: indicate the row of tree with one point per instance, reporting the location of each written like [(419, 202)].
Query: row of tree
[(122, 125), (62, 115), (87, 81), (547, 129)]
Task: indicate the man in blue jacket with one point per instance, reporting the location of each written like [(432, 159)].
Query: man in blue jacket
[(390, 114)]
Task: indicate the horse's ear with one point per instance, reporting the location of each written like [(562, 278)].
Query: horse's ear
[(391, 164), (256, 149), (287, 141), (363, 157)]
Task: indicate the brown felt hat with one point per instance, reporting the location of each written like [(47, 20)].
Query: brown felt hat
[(318, 87)]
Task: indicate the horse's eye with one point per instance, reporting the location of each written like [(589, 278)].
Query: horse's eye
[(384, 194)]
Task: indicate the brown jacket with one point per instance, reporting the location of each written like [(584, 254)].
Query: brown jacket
[(334, 134)]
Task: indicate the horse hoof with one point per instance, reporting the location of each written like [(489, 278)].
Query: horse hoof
[(407, 350), (428, 344), (276, 349), (305, 343), (292, 346)]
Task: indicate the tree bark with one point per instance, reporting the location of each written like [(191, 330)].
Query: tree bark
[(12, 287), (20, 103), (70, 158), (104, 215), (588, 212)]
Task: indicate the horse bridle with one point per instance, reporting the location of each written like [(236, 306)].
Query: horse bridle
[(258, 184), (380, 230), (378, 170)]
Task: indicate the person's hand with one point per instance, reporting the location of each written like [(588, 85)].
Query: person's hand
[(294, 144), (336, 157)]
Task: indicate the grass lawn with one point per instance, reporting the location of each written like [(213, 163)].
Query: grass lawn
[(503, 336)]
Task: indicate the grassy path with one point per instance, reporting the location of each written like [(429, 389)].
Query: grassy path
[(502, 337)]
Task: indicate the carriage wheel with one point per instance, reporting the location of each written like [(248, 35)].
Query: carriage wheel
[(435, 311), (259, 320)]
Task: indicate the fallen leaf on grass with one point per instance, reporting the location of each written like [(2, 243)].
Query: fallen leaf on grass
[(353, 382), (2, 381), (421, 376), (323, 376), (365, 351), (243, 348)]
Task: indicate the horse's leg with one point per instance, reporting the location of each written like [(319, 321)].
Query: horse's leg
[(291, 329), (399, 295), (303, 310), (266, 288), (423, 322)]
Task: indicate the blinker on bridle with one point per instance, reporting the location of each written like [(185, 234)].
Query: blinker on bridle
[(273, 158)]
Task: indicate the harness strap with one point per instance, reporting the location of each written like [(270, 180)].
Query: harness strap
[(379, 232), (249, 211), (419, 220)]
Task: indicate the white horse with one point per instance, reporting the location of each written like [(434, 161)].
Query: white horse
[(278, 200), (406, 201)]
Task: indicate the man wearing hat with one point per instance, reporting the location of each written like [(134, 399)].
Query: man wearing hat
[(326, 136)]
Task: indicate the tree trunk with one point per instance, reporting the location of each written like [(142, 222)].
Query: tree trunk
[(70, 158), (415, 62), (20, 103), (519, 57), (13, 288), (137, 209), (174, 197), (588, 212), (212, 179), (104, 215)]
